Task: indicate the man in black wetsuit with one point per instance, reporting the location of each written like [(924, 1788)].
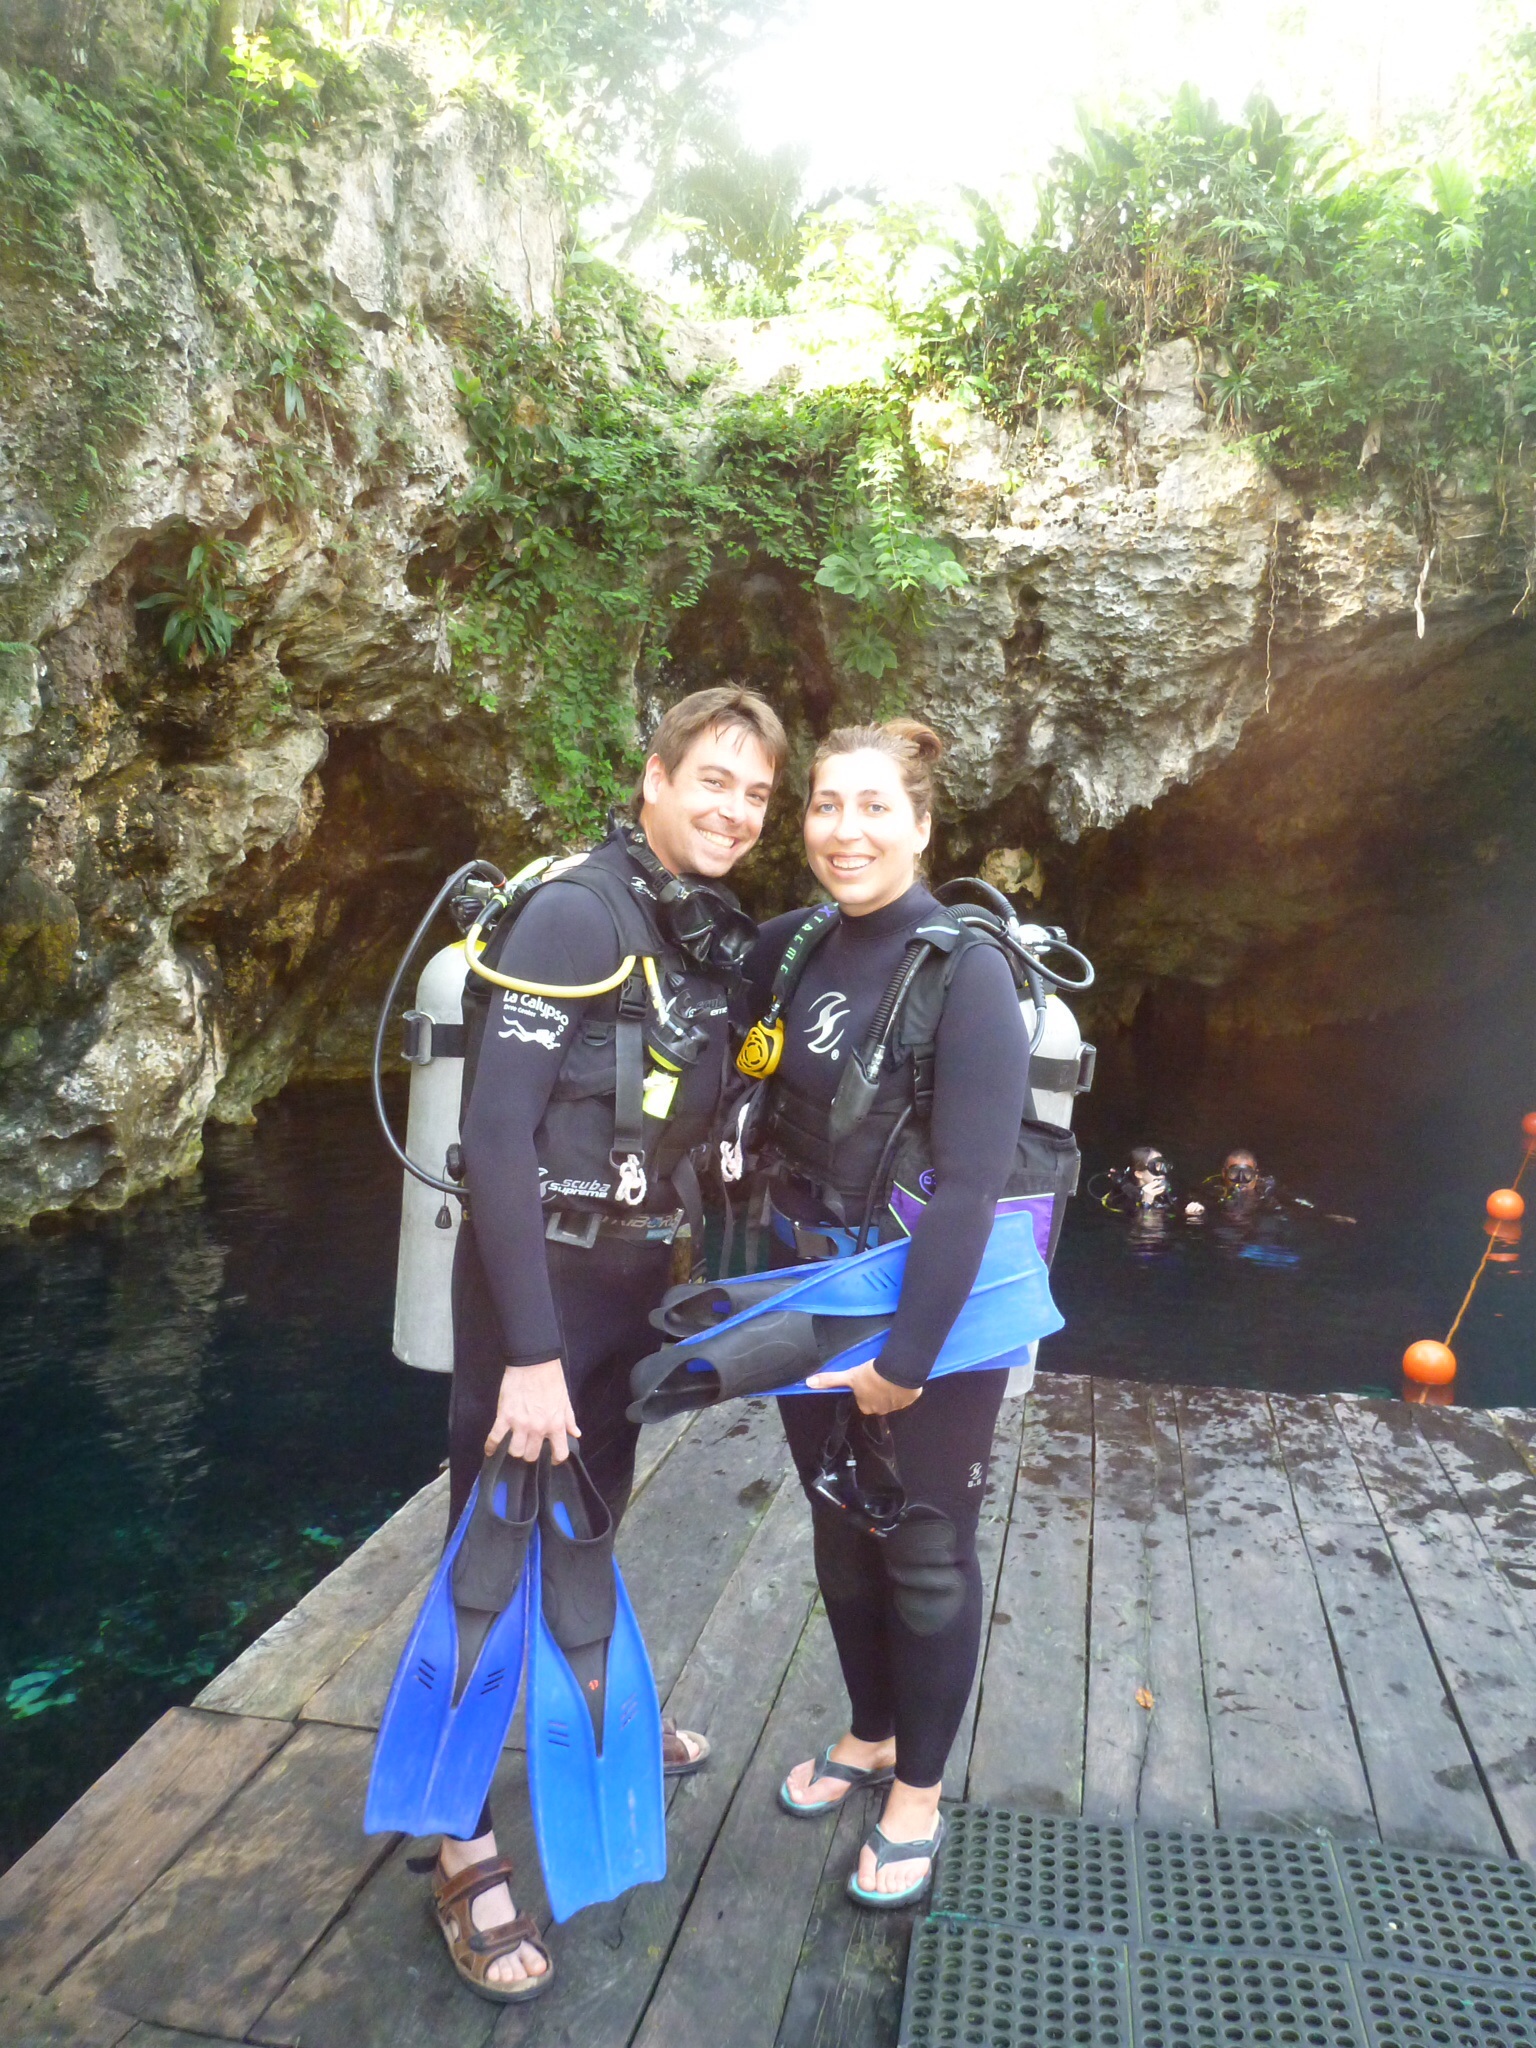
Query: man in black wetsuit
[(567, 1239)]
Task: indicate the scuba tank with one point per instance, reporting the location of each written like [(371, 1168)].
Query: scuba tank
[(1060, 1063), (429, 1221), (691, 929), (431, 1201)]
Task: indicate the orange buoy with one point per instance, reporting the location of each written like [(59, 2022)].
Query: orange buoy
[(1429, 1364), (1528, 1123), (1506, 1205)]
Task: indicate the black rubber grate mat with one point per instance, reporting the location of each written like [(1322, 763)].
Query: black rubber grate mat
[(1061, 1876), (1180, 1997), (1058, 1933), (1272, 1892), (973, 1985), (1441, 1912), (1412, 2008)]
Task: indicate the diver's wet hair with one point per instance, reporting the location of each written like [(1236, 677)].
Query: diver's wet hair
[(1142, 1157), (913, 746)]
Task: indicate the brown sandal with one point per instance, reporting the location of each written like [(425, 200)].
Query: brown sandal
[(474, 1949), (677, 1759)]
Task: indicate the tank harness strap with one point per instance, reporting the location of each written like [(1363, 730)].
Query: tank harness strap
[(628, 1153), (685, 1185), (425, 1038), (860, 1082), (802, 945)]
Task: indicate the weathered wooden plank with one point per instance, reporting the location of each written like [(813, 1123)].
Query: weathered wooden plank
[(686, 1534), (729, 1973), (146, 2036), (847, 1985), (354, 1696), (1148, 1749), (1028, 1746), (1283, 1747), (612, 1958), (119, 1836), (382, 1978), (1424, 1784), (1496, 1486), (213, 1940), (289, 1664), (1486, 1654), (656, 1443), (58, 2020), (991, 1538)]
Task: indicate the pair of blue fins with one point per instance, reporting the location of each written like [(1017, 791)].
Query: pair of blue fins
[(529, 1572)]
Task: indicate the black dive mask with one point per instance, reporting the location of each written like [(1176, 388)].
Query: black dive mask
[(857, 1473), (701, 918), (1240, 1176)]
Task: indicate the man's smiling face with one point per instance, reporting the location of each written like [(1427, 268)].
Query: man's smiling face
[(702, 818)]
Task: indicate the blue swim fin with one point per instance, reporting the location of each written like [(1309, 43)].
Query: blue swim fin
[(456, 1685), (837, 1315), (594, 1722)]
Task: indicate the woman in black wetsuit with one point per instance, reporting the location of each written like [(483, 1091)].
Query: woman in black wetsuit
[(905, 1604)]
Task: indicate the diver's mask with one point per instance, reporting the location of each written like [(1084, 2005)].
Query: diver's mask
[(857, 1472), (701, 918), (1242, 1176), (1155, 1166)]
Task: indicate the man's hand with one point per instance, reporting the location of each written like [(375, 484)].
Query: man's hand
[(874, 1395), (534, 1409)]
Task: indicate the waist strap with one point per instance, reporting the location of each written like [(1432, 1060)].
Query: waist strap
[(812, 1242), (583, 1227)]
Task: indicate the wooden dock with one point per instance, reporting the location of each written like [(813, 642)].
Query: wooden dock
[(1205, 1607)]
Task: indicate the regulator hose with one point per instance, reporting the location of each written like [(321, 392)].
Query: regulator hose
[(473, 870)]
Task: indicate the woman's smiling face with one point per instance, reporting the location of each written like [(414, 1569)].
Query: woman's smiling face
[(862, 837)]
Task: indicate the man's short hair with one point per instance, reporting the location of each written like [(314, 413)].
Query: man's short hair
[(727, 707)]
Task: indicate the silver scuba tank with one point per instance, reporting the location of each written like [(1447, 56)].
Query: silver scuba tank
[(429, 1221), (1060, 1069)]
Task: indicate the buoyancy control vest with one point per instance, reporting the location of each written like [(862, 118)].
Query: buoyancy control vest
[(867, 1158), (638, 1088)]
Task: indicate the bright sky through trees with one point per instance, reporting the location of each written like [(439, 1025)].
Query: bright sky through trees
[(922, 94)]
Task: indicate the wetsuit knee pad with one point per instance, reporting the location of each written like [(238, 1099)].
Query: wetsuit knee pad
[(926, 1573)]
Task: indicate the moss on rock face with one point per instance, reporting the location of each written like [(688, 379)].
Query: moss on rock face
[(39, 929)]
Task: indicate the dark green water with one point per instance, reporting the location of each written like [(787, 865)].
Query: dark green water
[(1405, 1125), (199, 1417), (199, 1414)]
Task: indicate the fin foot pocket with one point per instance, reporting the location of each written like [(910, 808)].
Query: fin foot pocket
[(594, 1721)]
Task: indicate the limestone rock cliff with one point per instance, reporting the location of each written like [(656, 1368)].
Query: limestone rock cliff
[(176, 843), (1261, 754)]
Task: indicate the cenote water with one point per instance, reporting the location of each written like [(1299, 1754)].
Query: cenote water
[(199, 1414)]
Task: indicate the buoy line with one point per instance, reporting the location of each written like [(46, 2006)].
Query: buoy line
[(1431, 1364)]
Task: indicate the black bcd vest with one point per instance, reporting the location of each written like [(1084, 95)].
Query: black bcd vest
[(875, 1136), (600, 1108)]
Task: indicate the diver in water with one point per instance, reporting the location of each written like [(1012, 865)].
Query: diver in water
[(1242, 1192), (1145, 1184), (1240, 1189)]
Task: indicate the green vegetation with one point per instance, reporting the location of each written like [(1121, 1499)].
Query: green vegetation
[(199, 625), (1345, 318), (593, 520)]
